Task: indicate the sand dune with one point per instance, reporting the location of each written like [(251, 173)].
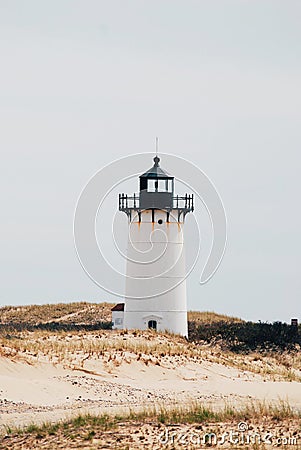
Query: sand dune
[(37, 391)]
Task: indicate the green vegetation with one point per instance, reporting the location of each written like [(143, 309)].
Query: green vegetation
[(55, 326), (247, 336), (87, 425)]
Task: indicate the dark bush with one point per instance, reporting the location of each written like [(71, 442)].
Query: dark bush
[(244, 336), (56, 326)]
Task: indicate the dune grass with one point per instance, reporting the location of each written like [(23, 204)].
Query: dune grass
[(75, 349), (86, 426), (199, 317), (85, 312), (79, 312)]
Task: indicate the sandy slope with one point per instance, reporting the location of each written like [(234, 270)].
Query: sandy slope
[(41, 391)]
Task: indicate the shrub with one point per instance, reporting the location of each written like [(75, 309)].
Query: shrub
[(243, 336)]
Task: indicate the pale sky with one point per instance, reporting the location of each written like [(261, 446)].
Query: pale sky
[(85, 82)]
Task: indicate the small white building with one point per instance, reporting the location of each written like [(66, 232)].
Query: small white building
[(118, 316)]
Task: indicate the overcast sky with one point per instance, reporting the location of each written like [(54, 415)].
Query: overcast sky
[(86, 82)]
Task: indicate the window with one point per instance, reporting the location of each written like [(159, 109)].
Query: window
[(159, 185), (151, 185), (152, 324), (162, 186)]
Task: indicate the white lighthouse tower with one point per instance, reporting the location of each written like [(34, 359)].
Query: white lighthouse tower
[(155, 285)]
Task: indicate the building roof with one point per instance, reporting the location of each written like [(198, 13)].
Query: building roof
[(156, 171), (118, 307)]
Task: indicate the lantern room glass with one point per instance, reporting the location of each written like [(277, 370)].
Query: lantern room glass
[(160, 185)]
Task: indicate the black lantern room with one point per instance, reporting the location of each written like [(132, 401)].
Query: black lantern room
[(156, 191), (156, 188)]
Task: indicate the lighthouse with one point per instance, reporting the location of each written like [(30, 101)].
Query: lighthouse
[(155, 291)]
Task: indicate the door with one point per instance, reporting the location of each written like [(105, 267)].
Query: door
[(152, 324)]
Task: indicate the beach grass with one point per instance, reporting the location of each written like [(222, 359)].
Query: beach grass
[(88, 427)]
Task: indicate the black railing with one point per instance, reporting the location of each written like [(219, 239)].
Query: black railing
[(127, 202)]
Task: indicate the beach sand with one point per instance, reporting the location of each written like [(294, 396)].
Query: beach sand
[(48, 377), (39, 391)]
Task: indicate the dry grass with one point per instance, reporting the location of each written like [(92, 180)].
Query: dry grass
[(142, 429), (115, 347), (63, 347), (76, 347), (200, 317), (84, 312), (79, 312)]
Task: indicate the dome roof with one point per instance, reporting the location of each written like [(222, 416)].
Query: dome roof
[(156, 171)]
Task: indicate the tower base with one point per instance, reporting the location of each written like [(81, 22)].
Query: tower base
[(160, 320)]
